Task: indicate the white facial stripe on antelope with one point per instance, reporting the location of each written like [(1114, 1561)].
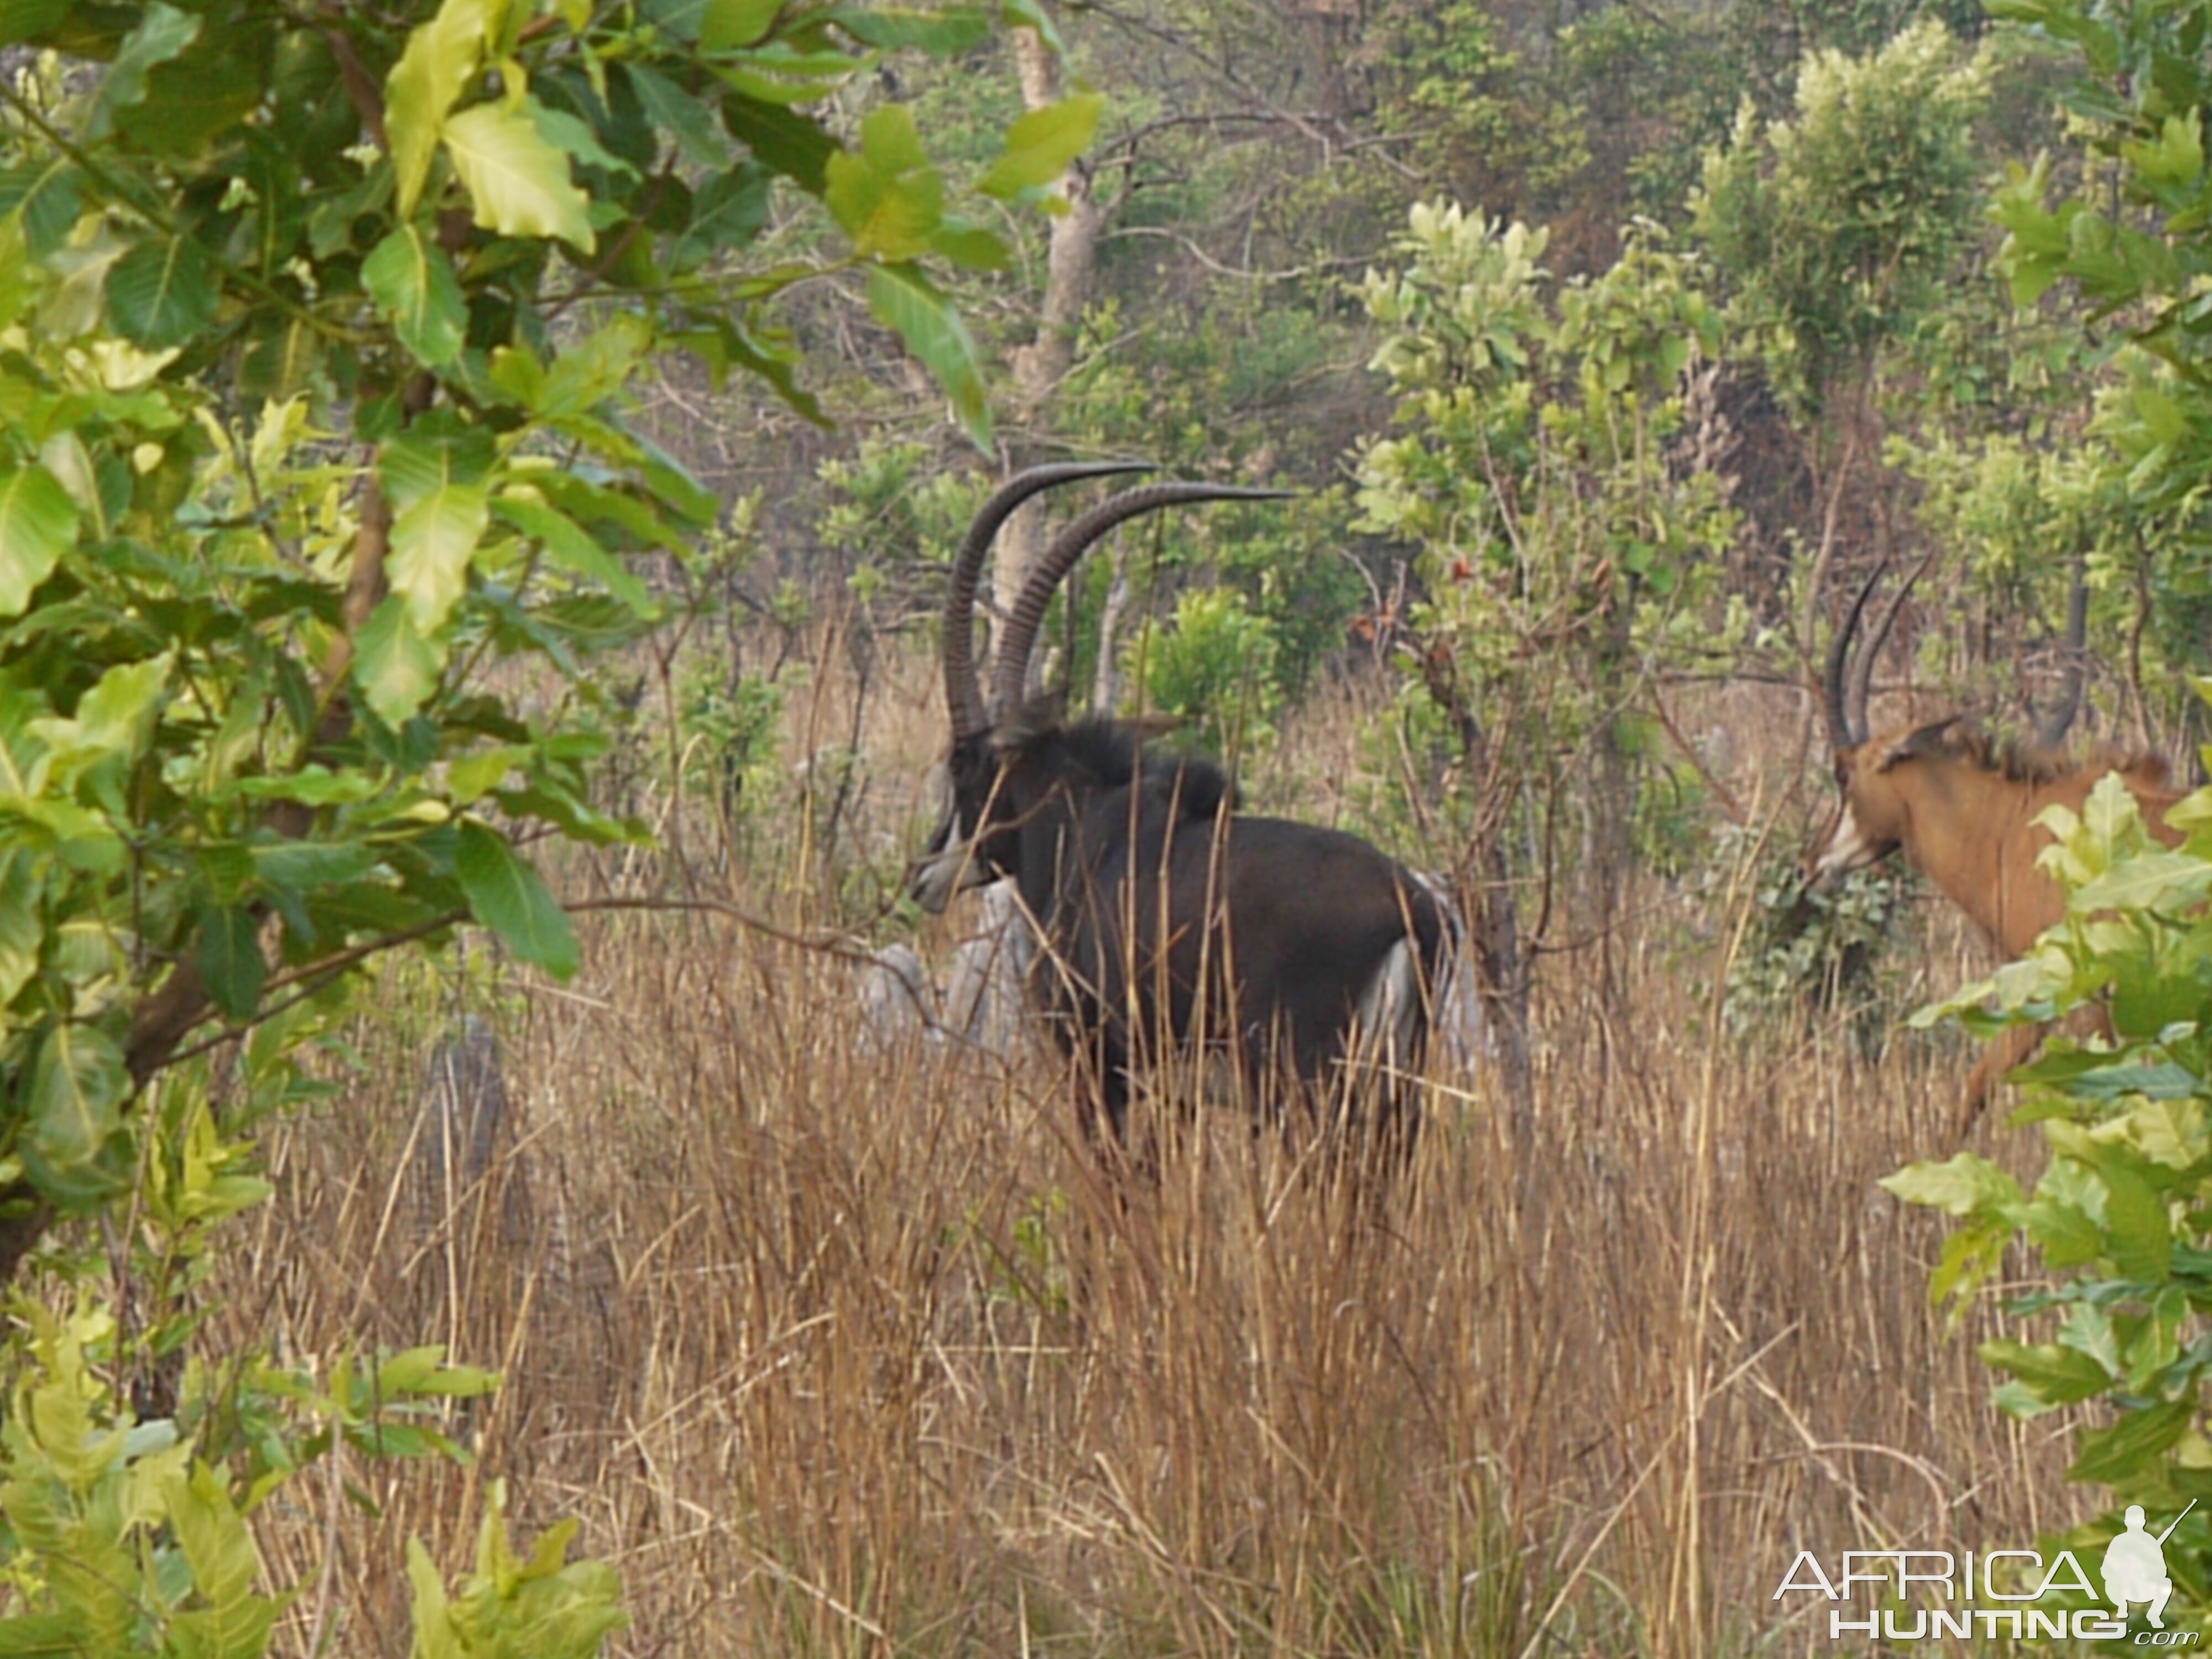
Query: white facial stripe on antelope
[(1847, 848)]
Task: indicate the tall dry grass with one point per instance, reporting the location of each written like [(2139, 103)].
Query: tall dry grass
[(841, 1346)]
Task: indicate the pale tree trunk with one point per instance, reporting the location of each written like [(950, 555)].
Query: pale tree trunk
[(1106, 684), (1039, 367)]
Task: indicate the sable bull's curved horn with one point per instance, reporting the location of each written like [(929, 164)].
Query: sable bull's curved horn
[(2052, 730), (963, 695), (1842, 733), (1012, 663), (1863, 671)]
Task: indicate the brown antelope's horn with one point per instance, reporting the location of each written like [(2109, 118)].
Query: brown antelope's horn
[(1841, 734), (1863, 669), (963, 695), (2052, 730), (1012, 664)]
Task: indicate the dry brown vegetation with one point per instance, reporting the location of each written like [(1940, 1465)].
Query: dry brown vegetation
[(838, 1346)]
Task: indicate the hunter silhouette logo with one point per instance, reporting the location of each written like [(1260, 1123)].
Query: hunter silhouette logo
[(2135, 1566)]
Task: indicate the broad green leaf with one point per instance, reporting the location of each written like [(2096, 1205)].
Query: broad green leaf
[(48, 192), (888, 197), (231, 960), (727, 211), (2146, 881), (37, 525), (970, 246), (78, 1085), (116, 716), (203, 92), (440, 514), (782, 141), (412, 279), (1040, 146), (510, 898), (396, 667), (568, 546), (892, 28), (2131, 1445), (724, 25), (903, 299), (440, 58), (220, 1549), (2135, 1225), (1962, 1186), (162, 34), (162, 293), (685, 118), (2058, 1376), (518, 182), (22, 929), (574, 137), (25, 20)]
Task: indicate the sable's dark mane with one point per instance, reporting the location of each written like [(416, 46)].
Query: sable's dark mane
[(2023, 760), (1112, 751)]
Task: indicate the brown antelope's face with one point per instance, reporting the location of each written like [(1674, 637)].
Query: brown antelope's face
[(1865, 827), (1874, 810)]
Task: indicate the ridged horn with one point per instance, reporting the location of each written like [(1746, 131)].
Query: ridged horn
[(1012, 663), (1863, 669), (963, 693), (2052, 730), (1840, 733)]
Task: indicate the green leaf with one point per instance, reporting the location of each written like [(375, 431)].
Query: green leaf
[(162, 33), (396, 667), (727, 211), (685, 118), (888, 197), (568, 546), (27, 20), (220, 1551), (37, 525), (1040, 146), (2132, 1444), (903, 299), (48, 191), (440, 58), (162, 293), (21, 922), (412, 280), (2142, 1240), (517, 180), (78, 1084), (2058, 1376), (782, 141), (231, 960), (970, 246), (894, 29), (724, 25), (440, 515), (510, 898), (1963, 1185)]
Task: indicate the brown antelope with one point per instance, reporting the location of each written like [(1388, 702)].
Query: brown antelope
[(1963, 814)]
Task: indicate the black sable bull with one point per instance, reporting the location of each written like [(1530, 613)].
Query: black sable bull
[(1164, 919)]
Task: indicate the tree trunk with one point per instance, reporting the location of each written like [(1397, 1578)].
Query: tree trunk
[(1039, 367), (1106, 682)]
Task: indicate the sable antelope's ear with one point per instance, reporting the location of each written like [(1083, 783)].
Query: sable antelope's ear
[(1942, 737)]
